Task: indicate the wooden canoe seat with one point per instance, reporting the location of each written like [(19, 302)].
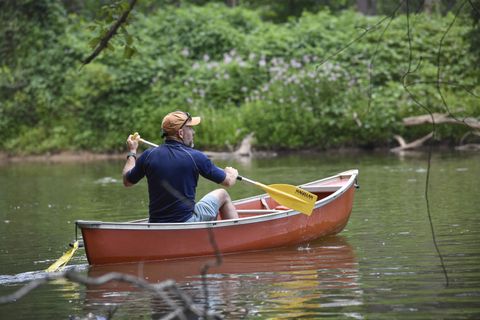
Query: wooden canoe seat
[(264, 203)]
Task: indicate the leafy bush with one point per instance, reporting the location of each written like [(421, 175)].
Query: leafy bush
[(302, 84)]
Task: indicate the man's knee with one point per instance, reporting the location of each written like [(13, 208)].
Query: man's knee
[(221, 194)]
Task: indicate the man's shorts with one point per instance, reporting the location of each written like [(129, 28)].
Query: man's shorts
[(206, 209)]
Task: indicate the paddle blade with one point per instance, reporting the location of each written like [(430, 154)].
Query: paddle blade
[(292, 197), (63, 260)]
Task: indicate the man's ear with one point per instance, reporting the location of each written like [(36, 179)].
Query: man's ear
[(180, 133)]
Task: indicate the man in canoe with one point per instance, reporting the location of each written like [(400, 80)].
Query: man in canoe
[(172, 171)]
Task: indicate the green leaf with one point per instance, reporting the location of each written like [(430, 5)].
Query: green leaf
[(128, 39), (129, 51), (110, 47), (94, 42)]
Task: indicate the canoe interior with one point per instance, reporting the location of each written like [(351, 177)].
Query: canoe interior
[(266, 205), (261, 206)]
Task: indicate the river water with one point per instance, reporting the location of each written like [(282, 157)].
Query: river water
[(383, 265)]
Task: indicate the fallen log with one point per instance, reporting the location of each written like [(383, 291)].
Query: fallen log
[(439, 118)]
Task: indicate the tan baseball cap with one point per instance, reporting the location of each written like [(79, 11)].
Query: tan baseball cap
[(176, 120)]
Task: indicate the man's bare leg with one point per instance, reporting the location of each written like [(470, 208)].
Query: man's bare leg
[(227, 209)]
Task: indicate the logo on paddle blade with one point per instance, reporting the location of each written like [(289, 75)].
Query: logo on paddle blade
[(304, 193)]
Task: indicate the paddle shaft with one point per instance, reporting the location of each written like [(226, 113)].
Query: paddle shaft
[(249, 181), (258, 184), (151, 144)]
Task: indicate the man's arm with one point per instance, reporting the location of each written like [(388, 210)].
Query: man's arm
[(230, 178), (132, 147), (128, 166)]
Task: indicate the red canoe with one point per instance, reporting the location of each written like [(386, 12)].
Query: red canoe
[(262, 224)]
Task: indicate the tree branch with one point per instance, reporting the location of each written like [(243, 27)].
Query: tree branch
[(111, 32)]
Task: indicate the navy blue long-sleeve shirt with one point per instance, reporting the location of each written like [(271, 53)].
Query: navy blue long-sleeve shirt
[(172, 172)]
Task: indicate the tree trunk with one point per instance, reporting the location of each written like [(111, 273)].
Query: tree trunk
[(231, 3), (432, 6), (367, 7)]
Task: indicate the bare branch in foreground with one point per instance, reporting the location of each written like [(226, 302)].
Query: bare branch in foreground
[(163, 290)]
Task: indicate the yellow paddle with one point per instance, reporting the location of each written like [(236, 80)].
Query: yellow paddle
[(287, 195), (63, 260)]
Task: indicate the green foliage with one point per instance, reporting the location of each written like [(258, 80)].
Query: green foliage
[(101, 29), (295, 84)]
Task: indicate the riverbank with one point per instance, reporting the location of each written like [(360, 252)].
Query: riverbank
[(61, 157), (87, 156)]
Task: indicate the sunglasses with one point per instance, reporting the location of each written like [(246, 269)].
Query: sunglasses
[(189, 118)]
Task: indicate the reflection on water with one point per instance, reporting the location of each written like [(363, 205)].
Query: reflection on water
[(284, 282)]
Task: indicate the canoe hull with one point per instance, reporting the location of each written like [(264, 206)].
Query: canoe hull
[(107, 243)]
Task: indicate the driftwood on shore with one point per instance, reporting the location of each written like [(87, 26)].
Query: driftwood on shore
[(411, 145), (437, 118), (244, 150)]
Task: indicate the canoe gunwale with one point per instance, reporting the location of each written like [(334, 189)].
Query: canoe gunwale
[(280, 214)]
